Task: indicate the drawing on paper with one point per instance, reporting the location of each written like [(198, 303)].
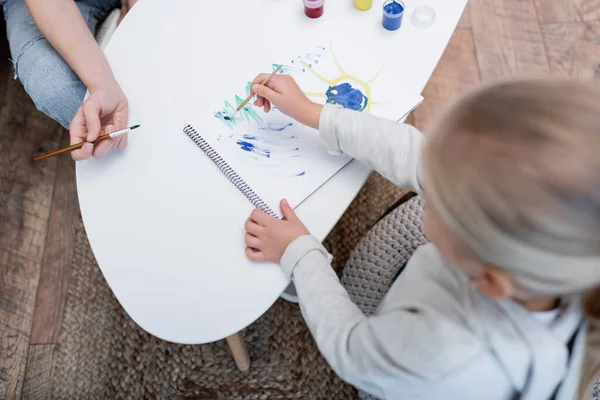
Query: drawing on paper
[(271, 148), (345, 89), (276, 146), (246, 114)]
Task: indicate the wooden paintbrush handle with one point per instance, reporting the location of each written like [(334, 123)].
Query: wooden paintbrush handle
[(70, 148), (264, 82), (244, 103)]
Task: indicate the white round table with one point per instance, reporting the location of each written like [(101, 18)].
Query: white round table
[(165, 226)]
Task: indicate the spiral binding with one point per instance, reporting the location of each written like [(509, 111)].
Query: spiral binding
[(233, 177)]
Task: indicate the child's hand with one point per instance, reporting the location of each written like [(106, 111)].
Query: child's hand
[(285, 94), (268, 237)]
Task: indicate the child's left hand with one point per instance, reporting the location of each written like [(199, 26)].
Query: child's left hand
[(267, 237)]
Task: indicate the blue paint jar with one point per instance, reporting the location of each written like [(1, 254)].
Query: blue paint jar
[(393, 10)]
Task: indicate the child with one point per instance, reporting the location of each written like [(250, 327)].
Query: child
[(490, 309)]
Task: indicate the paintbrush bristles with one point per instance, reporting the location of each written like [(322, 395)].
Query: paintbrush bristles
[(247, 100)]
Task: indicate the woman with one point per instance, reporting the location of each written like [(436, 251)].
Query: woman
[(57, 59)]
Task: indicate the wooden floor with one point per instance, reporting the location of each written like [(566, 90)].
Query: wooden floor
[(38, 203)]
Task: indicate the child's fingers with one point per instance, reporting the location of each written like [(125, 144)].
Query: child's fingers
[(252, 241), (260, 78), (253, 228), (255, 255), (260, 217), (265, 91), (267, 106), (287, 211), (259, 101)]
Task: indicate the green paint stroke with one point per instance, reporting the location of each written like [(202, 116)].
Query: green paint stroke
[(285, 69), (248, 111)]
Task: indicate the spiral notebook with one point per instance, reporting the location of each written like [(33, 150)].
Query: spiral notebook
[(269, 156)]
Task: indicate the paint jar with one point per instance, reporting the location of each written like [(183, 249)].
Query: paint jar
[(393, 10), (314, 8), (363, 5)]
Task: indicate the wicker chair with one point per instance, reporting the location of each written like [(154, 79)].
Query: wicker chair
[(382, 254)]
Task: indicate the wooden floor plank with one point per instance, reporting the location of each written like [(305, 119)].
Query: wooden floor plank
[(465, 20), (456, 72), (38, 380), (508, 39), (58, 253), (552, 11), (25, 197), (574, 49)]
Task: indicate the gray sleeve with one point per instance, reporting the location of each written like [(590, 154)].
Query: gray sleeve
[(393, 149), (408, 345)]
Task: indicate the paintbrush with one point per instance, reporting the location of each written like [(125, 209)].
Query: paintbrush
[(80, 145), (267, 79)]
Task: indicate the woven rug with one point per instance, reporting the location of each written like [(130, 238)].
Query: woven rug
[(103, 354)]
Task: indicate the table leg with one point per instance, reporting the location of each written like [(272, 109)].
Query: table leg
[(239, 352)]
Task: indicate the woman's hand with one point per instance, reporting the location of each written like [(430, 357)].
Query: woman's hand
[(285, 94), (105, 107), (267, 237), (125, 7)]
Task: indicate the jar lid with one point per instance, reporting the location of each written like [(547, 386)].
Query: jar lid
[(423, 17)]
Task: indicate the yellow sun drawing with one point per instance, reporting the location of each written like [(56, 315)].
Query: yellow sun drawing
[(346, 90)]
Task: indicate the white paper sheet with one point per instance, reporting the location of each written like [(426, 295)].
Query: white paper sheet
[(280, 158)]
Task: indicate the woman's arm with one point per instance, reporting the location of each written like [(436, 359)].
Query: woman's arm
[(63, 25)]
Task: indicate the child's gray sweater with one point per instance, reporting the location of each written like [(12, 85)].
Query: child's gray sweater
[(434, 335)]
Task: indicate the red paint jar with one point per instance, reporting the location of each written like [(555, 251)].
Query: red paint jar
[(314, 8)]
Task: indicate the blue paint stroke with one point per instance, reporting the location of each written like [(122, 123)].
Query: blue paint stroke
[(276, 127), (347, 96), (225, 115), (277, 153), (222, 115), (308, 59), (264, 147), (252, 148), (276, 141)]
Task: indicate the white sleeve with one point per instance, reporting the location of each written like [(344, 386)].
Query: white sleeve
[(393, 149)]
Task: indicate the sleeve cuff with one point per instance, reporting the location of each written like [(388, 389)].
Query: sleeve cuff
[(327, 128), (298, 249)]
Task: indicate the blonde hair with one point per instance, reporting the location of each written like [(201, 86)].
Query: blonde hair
[(513, 169)]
